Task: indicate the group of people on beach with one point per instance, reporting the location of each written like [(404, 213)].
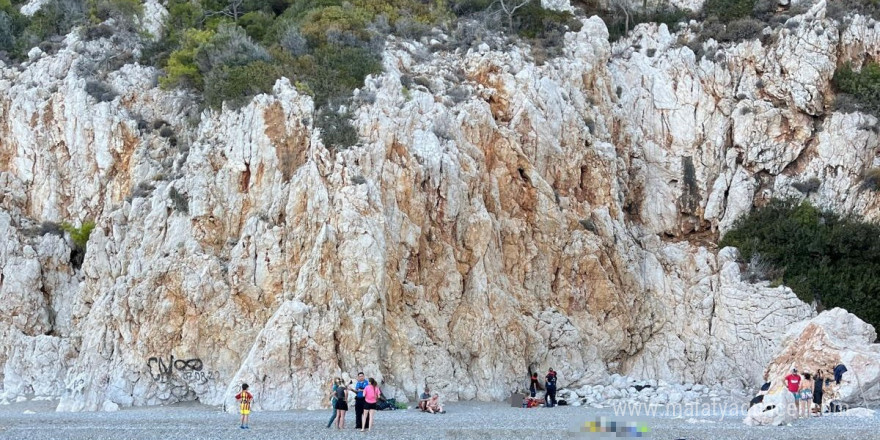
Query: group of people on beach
[(366, 398), (549, 390), (430, 403), (807, 390), (366, 391)]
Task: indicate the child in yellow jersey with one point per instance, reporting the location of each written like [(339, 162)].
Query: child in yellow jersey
[(245, 398)]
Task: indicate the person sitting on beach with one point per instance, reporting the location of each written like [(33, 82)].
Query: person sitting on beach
[(423, 399), (434, 404)]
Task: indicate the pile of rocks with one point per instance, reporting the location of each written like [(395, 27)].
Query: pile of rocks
[(628, 389)]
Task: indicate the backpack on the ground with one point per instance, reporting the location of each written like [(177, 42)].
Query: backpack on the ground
[(387, 404)]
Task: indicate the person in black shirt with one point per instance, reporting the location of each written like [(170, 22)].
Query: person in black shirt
[(818, 384), (534, 385)]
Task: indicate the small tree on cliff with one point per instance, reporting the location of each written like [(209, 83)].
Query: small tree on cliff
[(510, 7), (626, 8)]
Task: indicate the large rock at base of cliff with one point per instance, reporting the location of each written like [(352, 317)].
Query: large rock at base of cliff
[(778, 408), (832, 338)]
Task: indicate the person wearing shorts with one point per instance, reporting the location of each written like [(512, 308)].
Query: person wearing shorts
[(341, 403), (245, 398), (371, 398), (793, 383), (806, 395), (818, 386)]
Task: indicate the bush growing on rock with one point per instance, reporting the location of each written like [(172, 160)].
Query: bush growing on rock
[(862, 88), (51, 228), (732, 21), (7, 32), (818, 254), (336, 129), (179, 201), (80, 238), (123, 11), (235, 85), (229, 46), (839, 10), (100, 91), (620, 24), (728, 11), (181, 70), (871, 179), (808, 186)]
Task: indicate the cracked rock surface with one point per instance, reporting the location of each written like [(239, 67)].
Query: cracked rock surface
[(505, 216)]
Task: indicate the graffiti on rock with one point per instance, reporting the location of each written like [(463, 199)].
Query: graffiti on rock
[(177, 377)]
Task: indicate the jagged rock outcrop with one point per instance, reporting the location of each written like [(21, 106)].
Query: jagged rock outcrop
[(504, 216), (832, 338)]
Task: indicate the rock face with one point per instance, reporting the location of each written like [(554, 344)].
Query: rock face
[(832, 338), (506, 217)]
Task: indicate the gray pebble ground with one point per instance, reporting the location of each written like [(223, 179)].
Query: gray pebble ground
[(463, 420)]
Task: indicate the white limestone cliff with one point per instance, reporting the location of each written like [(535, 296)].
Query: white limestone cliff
[(559, 215)]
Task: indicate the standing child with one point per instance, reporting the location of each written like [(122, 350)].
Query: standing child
[(245, 397)]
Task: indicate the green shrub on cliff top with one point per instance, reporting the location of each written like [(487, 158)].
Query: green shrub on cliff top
[(820, 254)]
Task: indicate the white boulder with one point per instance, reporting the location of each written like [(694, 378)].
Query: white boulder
[(777, 409)]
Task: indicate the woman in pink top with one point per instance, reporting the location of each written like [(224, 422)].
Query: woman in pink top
[(371, 396)]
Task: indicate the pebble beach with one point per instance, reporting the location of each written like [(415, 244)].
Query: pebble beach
[(463, 420)]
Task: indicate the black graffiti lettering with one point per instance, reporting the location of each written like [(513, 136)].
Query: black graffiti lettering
[(189, 370), (188, 364), (158, 369)]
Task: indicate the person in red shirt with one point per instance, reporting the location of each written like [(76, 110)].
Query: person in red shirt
[(245, 398), (793, 383)]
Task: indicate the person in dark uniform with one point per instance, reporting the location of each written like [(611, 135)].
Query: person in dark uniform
[(359, 402), (550, 395)]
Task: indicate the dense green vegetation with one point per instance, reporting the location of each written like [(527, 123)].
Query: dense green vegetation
[(230, 50), (19, 33), (819, 254), (620, 24), (736, 20), (859, 91)]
